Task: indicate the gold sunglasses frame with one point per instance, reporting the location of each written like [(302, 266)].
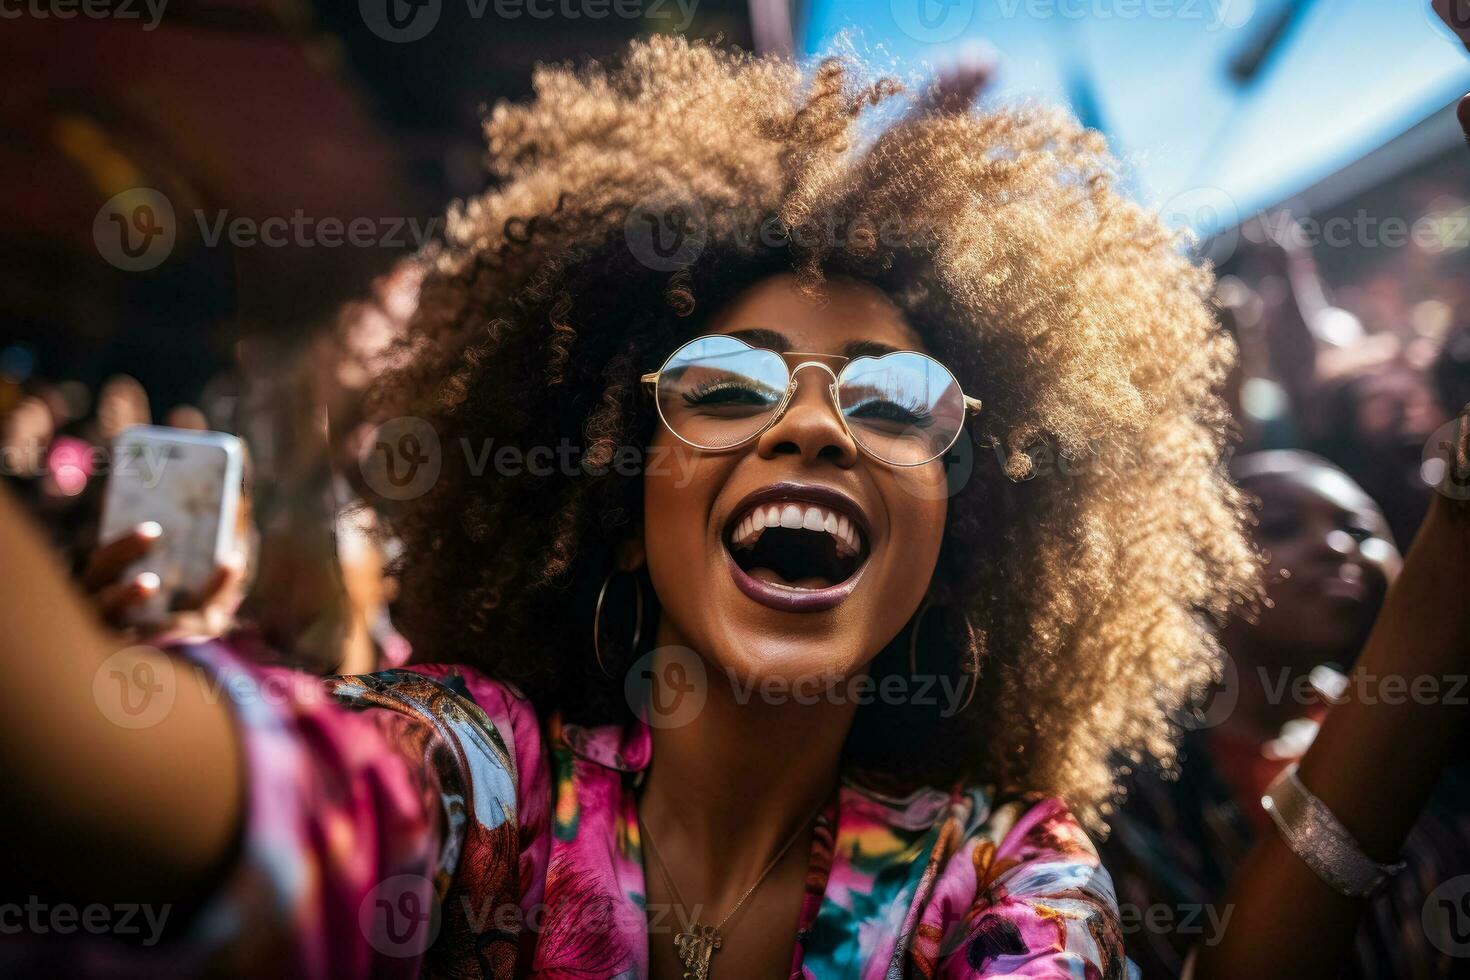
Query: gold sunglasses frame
[(806, 359)]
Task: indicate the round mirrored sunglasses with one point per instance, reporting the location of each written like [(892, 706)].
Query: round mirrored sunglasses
[(902, 407)]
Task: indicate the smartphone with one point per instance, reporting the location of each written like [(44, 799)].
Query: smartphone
[(189, 482)]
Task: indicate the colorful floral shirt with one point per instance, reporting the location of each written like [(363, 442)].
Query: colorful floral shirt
[(425, 821)]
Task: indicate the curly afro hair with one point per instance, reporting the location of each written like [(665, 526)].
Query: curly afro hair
[(1094, 536)]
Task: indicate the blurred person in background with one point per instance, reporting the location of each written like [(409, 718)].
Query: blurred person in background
[(366, 342), (186, 417), (1451, 371), (25, 436), (1178, 841), (1376, 421), (321, 588), (1311, 376), (121, 402)]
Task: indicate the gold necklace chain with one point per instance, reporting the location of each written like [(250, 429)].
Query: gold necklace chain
[(699, 943)]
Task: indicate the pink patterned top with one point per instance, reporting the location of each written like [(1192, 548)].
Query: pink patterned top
[(425, 822)]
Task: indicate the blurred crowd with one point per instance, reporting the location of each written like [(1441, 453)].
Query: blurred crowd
[(1363, 373), (1345, 396), (321, 582)]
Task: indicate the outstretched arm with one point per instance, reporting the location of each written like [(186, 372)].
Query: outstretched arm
[(112, 812)]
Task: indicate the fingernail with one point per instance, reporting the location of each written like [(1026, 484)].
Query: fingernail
[(147, 581), (150, 529)]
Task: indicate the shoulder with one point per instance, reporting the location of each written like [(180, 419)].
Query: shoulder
[(1036, 846), (489, 753), (1024, 891), (502, 703), (492, 729)]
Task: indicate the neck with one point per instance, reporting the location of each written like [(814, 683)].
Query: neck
[(726, 791), (1270, 692)]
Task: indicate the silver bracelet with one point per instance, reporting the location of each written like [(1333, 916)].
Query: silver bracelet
[(1315, 835)]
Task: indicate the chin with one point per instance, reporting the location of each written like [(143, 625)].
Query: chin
[(792, 659)]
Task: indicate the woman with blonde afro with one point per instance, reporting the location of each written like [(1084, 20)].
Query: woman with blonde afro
[(805, 516)]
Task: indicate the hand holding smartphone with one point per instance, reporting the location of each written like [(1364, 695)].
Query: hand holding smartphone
[(185, 485)]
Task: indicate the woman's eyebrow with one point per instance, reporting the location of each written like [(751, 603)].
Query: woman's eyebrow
[(763, 337), (776, 341), (867, 348)]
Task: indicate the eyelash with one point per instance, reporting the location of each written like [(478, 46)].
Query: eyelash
[(914, 414), (702, 394)]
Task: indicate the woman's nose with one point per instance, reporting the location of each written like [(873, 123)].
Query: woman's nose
[(811, 426)]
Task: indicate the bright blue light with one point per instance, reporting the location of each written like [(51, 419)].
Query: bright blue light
[(1153, 74)]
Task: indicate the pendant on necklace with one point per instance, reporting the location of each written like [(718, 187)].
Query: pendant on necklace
[(695, 948)]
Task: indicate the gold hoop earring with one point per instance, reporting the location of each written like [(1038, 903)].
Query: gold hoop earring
[(970, 670), (597, 618), (924, 608)]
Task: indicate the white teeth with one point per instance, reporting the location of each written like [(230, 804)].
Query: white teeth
[(809, 517), (749, 530)]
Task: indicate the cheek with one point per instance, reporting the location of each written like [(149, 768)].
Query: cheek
[(916, 531), (1286, 556), (679, 489)]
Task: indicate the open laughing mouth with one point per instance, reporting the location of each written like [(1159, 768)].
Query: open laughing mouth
[(797, 548)]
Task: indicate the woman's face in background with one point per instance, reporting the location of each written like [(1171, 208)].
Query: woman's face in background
[(801, 602), (1332, 558)]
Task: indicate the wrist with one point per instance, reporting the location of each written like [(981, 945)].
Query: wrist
[(1313, 832)]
